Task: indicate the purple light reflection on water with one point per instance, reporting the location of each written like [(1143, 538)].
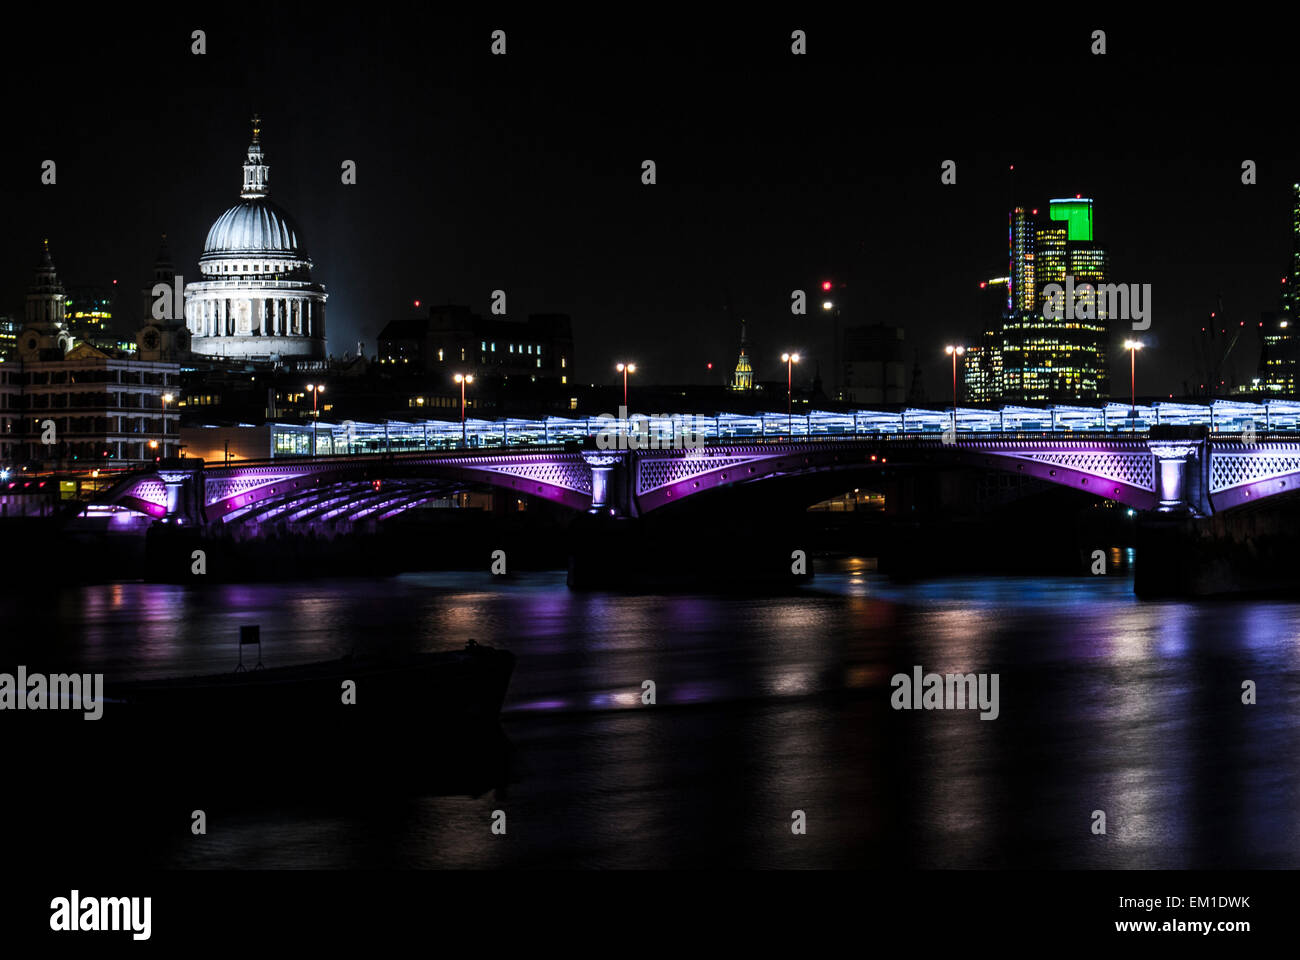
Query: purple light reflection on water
[(1136, 705), (530, 705)]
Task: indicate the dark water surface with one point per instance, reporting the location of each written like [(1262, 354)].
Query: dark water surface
[(766, 704)]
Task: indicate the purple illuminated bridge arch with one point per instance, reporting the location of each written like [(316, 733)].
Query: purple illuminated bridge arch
[(1168, 457), (1167, 468)]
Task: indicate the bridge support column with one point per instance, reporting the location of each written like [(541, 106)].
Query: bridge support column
[(1181, 465), (184, 481), (608, 483), (170, 543)]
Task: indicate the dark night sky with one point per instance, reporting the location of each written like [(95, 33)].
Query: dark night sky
[(523, 173)]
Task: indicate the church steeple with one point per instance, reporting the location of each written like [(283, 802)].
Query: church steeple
[(45, 337), (743, 377), (164, 271), (257, 173), (45, 295)]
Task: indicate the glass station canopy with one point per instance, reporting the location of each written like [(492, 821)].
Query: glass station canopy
[(392, 436)]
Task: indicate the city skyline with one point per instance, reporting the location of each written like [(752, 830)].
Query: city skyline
[(498, 195), (443, 442)]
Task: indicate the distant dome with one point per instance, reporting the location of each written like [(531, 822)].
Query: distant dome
[(253, 227), (256, 300)]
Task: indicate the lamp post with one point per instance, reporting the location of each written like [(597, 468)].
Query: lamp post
[(790, 359), (462, 379), (833, 308), (166, 399), (625, 369), (315, 389), (1132, 346), (954, 352)]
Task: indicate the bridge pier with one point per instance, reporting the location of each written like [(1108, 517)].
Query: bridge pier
[(183, 479), (1182, 470), (611, 486), (1238, 552), (171, 542)]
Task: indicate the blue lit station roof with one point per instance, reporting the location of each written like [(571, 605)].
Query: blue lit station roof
[(1220, 416)]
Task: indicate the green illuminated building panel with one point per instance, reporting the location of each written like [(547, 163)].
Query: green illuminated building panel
[(1078, 216)]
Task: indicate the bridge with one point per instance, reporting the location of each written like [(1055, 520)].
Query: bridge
[(1177, 458)]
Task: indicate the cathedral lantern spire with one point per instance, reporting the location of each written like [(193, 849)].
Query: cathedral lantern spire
[(257, 173)]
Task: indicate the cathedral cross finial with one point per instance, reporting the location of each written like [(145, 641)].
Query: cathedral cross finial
[(257, 126)]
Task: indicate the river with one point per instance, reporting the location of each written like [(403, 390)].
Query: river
[(764, 705)]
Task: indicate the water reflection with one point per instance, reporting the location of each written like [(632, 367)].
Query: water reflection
[(765, 705)]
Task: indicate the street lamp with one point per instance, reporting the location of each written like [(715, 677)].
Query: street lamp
[(462, 379), (315, 390), (833, 308), (625, 369), (789, 359), (954, 352), (1132, 346), (166, 399)]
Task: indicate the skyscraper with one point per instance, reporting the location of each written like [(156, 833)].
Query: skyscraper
[(1022, 291), (982, 372), (1279, 356), (1291, 282), (1057, 354)]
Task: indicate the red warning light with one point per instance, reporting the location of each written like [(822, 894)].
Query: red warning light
[(826, 284), (710, 366), (982, 284), (417, 303)]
